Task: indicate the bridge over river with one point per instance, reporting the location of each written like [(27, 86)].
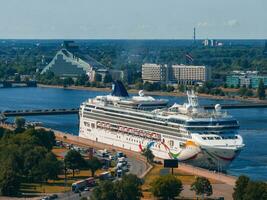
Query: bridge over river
[(71, 111)]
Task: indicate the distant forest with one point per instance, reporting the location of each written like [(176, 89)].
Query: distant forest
[(25, 56)]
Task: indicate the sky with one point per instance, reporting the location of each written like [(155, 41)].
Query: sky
[(133, 19)]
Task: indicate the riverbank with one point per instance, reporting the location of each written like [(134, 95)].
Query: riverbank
[(155, 93), (222, 184)]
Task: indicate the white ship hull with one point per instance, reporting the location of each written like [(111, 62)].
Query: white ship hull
[(192, 152)]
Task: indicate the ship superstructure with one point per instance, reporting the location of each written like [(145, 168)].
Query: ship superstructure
[(185, 132)]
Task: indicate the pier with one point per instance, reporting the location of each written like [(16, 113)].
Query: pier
[(60, 111), (71, 111), (10, 84)]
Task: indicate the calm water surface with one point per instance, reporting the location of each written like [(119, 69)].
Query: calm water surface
[(252, 161)]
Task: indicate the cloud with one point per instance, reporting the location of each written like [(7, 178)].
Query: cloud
[(202, 24), (232, 23)]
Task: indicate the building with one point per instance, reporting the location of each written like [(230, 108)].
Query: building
[(181, 74), (67, 64), (245, 79), (211, 43), (255, 81), (189, 74), (154, 72), (233, 81), (117, 74)]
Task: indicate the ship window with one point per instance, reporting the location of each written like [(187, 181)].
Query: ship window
[(217, 138), (92, 125), (210, 138), (171, 142), (204, 138)]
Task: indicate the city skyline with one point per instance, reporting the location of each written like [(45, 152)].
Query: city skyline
[(124, 19)]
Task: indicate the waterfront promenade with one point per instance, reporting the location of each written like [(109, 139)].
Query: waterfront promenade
[(224, 183), (230, 180), (223, 187)]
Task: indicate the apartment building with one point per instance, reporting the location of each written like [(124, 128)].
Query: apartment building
[(180, 74), (154, 72)]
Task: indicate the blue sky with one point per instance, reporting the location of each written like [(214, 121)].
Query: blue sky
[(133, 19)]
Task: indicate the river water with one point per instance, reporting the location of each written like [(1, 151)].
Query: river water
[(252, 161)]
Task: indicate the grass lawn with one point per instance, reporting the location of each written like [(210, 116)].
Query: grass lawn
[(187, 179)]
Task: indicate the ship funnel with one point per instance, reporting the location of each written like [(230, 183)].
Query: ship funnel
[(119, 90)]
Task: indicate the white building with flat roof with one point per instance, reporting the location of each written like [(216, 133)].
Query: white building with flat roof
[(154, 72), (181, 74), (190, 74)]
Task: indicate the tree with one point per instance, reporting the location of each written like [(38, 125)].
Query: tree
[(129, 188), (81, 80), (166, 187), (43, 137), (9, 183), (17, 78), (202, 187), (20, 123), (181, 88), (107, 78), (170, 88), (98, 78), (94, 164), (50, 167), (255, 190), (74, 160), (104, 191), (68, 81), (148, 154), (32, 157), (240, 187), (261, 90)]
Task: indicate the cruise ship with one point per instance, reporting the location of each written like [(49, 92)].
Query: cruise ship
[(187, 132)]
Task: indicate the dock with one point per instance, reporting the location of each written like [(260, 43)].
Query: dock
[(72, 111)]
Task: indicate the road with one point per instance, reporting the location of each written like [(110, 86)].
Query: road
[(74, 196), (136, 167)]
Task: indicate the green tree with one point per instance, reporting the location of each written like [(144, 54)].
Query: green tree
[(107, 78), (261, 90), (50, 167), (94, 164), (166, 187), (170, 88), (148, 154), (255, 190), (74, 160), (17, 78), (81, 80), (242, 91), (104, 191), (9, 183), (98, 77), (43, 137), (129, 188), (240, 187), (20, 123), (202, 187), (33, 155), (68, 81), (182, 88)]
